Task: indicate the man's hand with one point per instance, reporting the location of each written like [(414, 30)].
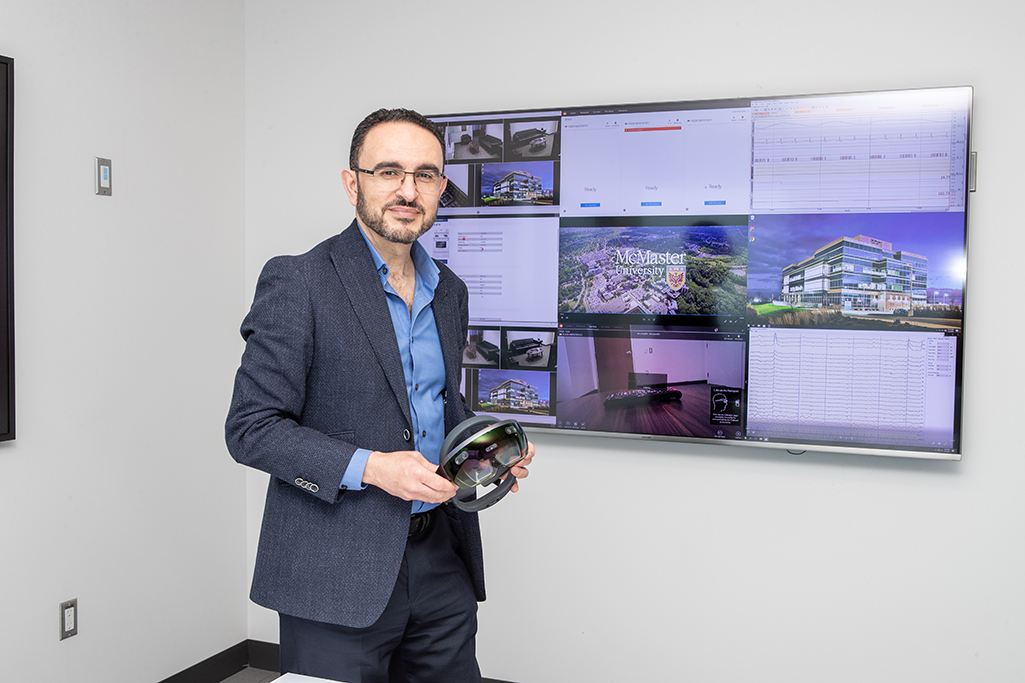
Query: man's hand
[(408, 475), (519, 470)]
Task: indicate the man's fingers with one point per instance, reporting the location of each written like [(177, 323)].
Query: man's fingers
[(425, 463), (520, 470), (423, 483), (410, 476), (429, 491), (407, 475)]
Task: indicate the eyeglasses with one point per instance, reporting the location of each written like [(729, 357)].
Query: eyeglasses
[(390, 178)]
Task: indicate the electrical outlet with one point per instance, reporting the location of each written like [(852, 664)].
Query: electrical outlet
[(69, 618)]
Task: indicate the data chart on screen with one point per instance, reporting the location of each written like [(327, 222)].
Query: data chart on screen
[(887, 387), (509, 265), (899, 151)]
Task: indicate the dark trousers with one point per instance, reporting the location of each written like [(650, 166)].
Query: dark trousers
[(425, 635)]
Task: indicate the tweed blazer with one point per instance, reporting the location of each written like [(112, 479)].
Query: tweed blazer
[(321, 376)]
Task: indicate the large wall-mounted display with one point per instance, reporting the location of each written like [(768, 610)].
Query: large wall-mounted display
[(784, 272)]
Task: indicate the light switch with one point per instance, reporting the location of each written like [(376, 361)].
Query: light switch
[(103, 176)]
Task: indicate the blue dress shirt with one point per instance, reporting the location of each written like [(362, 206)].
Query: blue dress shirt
[(422, 364)]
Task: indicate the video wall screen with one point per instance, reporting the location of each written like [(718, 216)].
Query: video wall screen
[(785, 272)]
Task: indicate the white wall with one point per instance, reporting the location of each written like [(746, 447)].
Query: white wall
[(118, 489), (623, 560), (578, 373), (679, 360)]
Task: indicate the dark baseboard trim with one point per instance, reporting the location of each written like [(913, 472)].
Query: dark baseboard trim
[(264, 655), (254, 653), (215, 669)]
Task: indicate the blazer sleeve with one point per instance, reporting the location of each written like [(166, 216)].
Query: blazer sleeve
[(263, 429)]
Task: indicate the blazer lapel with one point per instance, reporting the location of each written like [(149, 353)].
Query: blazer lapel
[(362, 284), (447, 319)]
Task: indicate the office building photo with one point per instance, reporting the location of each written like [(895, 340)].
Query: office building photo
[(858, 274)]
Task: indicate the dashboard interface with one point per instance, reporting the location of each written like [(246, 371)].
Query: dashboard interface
[(784, 272)]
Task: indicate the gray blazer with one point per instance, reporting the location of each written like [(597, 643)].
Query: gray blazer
[(320, 377)]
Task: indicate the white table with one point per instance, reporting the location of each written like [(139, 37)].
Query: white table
[(297, 678)]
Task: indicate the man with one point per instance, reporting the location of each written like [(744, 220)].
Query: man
[(347, 387)]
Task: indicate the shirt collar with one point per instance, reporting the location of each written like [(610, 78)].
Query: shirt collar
[(427, 270)]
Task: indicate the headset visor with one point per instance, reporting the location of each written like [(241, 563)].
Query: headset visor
[(487, 455)]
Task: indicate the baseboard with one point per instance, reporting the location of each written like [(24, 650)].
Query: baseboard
[(254, 653), (264, 655), (215, 669)]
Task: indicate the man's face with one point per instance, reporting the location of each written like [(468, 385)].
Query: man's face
[(400, 214)]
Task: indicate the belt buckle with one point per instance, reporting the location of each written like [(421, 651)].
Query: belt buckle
[(418, 523)]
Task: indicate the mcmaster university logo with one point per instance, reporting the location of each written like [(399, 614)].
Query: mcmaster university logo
[(675, 276)]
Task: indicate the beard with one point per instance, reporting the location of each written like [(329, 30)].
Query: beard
[(407, 232)]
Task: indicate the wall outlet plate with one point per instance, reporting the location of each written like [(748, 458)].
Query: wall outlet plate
[(69, 618)]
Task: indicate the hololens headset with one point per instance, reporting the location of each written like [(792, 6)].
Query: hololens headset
[(490, 450)]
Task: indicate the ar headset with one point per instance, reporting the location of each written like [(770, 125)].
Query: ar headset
[(490, 451)]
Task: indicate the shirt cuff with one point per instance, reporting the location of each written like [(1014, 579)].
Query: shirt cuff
[(353, 477)]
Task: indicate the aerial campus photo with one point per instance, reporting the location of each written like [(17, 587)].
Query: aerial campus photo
[(694, 270), (857, 271)]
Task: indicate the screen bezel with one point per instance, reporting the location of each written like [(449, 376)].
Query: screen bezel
[(7, 423)]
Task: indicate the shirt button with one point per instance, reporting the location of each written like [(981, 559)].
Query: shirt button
[(424, 433), (384, 269), (416, 386), (406, 434)]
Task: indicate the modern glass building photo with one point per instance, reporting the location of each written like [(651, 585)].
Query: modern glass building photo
[(858, 274)]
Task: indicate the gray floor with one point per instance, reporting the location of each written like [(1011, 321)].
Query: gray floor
[(250, 675)]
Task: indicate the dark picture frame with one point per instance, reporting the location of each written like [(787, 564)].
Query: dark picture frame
[(6, 248)]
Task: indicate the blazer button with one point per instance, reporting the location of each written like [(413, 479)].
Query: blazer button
[(406, 434)]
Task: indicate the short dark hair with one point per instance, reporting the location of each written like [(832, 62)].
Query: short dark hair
[(380, 116)]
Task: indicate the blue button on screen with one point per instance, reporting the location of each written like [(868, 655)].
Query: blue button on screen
[(651, 203), (716, 202), (590, 205)]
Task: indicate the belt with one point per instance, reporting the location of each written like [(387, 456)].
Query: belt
[(419, 522)]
